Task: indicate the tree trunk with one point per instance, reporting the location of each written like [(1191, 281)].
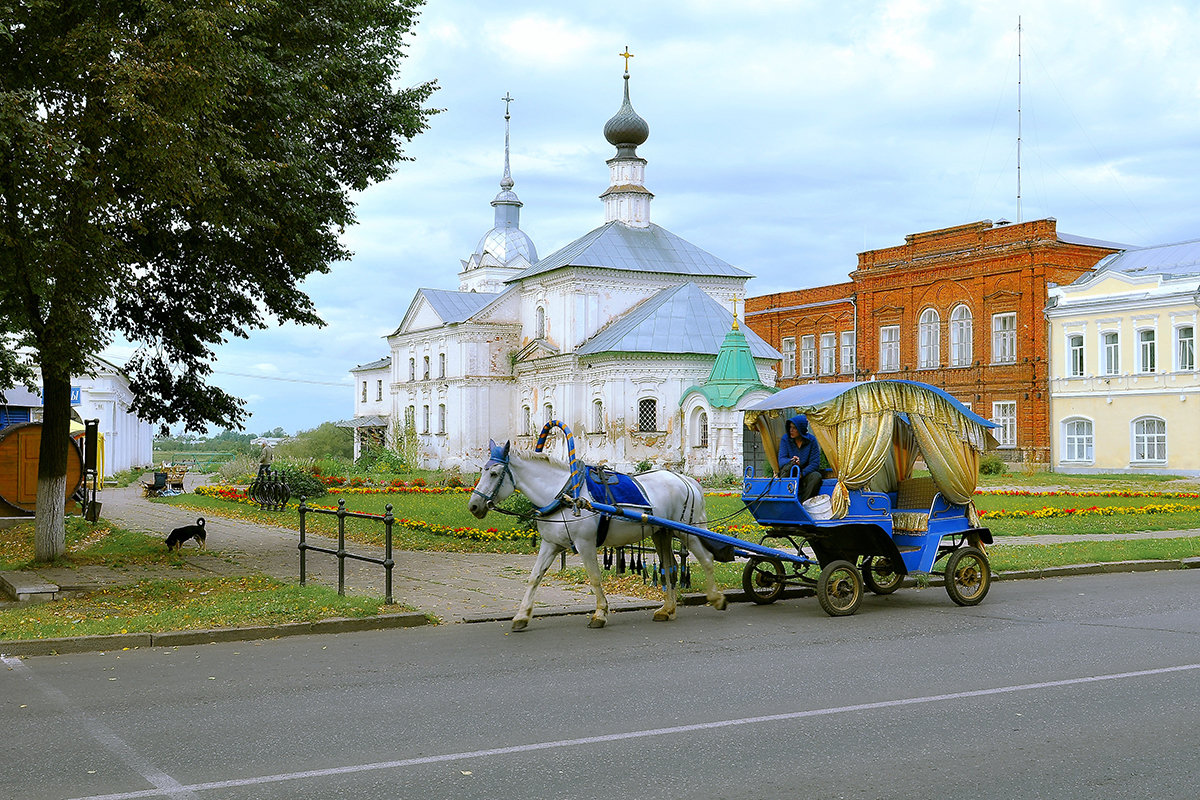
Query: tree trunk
[(49, 541)]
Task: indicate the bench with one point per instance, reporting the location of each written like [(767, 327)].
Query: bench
[(914, 500)]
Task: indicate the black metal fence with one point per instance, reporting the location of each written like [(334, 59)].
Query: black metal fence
[(341, 513), (270, 490)]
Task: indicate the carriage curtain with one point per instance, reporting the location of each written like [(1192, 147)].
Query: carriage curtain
[(770, 444), (857, 431)]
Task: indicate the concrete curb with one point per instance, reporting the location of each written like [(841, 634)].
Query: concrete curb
[(131, 641)]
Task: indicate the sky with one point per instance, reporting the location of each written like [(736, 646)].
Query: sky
[(785, 138)]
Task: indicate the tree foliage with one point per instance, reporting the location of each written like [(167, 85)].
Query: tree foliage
[(171, 170)]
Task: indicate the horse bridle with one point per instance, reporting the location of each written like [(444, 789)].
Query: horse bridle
[(493, 461)]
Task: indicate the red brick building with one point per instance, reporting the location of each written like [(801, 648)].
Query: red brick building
[(960, 308)]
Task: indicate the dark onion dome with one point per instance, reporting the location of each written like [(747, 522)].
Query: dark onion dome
[(626, 130)]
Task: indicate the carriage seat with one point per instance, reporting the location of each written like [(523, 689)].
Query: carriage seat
[(914, 499)]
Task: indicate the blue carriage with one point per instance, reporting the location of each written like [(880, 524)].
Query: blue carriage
[(872, 522)]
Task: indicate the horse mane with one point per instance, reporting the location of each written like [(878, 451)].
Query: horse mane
[(531, 455)]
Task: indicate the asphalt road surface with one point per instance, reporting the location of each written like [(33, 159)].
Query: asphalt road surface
[(1084, 687)]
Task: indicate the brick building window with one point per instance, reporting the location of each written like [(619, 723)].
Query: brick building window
[(1004, 338), (1004, 414), (828, 353), (1078, 440), (929, 332), (1185, 348), (1110, 343), (647, 415), (1149, 440), (1146, 350), (849, 346), (808, 355), (889, 348), (1075, 355), (788, 348), (960, 337)]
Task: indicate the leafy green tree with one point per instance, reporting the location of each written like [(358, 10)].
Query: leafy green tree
[(170, 172), (324, 441)]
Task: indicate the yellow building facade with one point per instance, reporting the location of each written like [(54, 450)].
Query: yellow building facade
[(1124, 390)]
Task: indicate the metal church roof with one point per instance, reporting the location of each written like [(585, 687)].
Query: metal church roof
[(615, 245), (456, 306), (380, 364), (682, 319)]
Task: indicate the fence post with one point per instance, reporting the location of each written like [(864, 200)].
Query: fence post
[(303, 509), (387, 553), (341, 553)]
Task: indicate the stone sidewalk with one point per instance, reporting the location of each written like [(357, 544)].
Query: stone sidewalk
[(454, 587)]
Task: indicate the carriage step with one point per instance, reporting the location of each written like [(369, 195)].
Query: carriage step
[(908, 549)]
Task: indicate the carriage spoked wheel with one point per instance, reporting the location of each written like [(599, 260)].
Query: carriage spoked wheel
[(968, 576), (880, 575), (763, 579), (839, 589)]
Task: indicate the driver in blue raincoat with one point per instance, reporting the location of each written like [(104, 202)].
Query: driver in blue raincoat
[(799, 448)]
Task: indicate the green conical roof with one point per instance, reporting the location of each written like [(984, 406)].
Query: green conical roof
[(733, 373)]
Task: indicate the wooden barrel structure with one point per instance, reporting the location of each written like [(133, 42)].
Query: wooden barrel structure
[(19, 449)]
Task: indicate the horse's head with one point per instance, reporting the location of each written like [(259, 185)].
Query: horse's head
[(495, 481)]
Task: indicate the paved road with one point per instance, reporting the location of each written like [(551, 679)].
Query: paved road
[(1073, 688)]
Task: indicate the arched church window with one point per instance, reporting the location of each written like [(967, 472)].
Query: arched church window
[(648, 415), (930, 335), (412, 369), (541, 322), (441, 365), (960, 337), (702, 429), (425, 369), (441, 418), (597, 416), (526, 421), (547, 413)]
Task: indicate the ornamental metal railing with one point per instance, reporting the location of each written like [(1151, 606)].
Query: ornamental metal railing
[(269, 490)]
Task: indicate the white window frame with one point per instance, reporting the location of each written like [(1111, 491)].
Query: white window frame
[(441, 428), (828, 353), (961, 333), (1110, 352), (929, 335), (849, 353), (597, 416), (379, 390), (441, 365), (1144, 441), (889, 348), (808, 355), (1185, 348), (1075, 355), (364, 392), (425, 418), (1004, 414), (1078, 440), (412, 369), (787, 346), (701, 439), (1004, 338), (1147, 350)]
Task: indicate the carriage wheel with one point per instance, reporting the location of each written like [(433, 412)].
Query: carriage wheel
[(880, 576), (763, 580), (968, 576), (839, 589)]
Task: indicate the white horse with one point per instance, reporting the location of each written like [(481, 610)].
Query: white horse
[(542, 480)]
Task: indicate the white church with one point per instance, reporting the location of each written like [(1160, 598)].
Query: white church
[(625, 334)]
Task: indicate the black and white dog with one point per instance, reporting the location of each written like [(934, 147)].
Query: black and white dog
[(180, 535)]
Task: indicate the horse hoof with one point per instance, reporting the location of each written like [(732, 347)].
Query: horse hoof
[(720, 604), (519, 624), (596, 622), (664, 616)]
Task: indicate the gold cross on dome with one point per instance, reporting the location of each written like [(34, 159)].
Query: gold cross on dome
[(735, 322), (626, 55)]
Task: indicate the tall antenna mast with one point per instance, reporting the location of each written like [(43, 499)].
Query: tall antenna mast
[(1018, 119)]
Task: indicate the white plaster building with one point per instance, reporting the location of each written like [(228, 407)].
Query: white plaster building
[(607, 334), (1124, 390)]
